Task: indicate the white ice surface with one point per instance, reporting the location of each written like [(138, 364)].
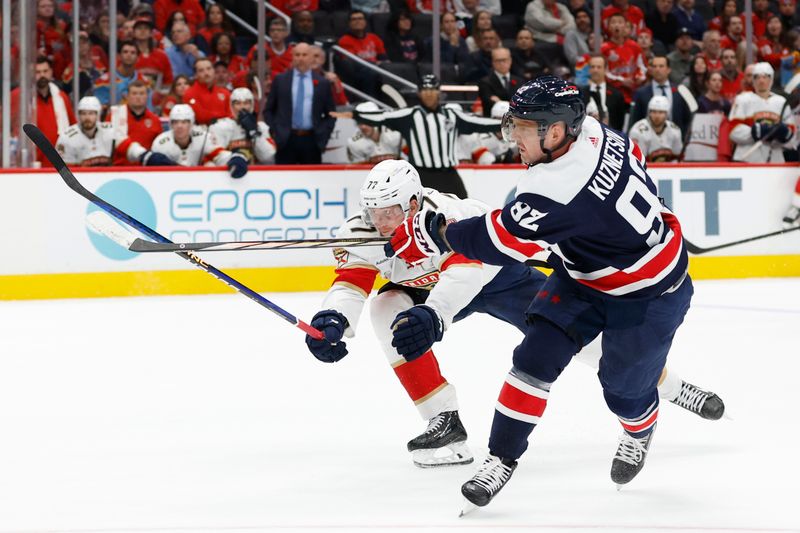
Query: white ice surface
[(208, 414)]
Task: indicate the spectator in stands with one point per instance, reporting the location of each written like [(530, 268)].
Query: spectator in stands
[(698, 75), (153, 62), (663, 23), (681, 58), (526, 60), (175, 94), (302, 28), (549, 21), (576, 40), (609, 100), (426, 6), (720, 22), (711, 50), (209, 101), (626, 69), (100, 32), (747, 78), (125, 30), (761, 13), (633, 14), (133, 120), (479, 63), (678, 111), (216, 22), (771, 46), (124, 74), (645, 42), (790, 16), (500, 84), (368, 46), (402, 46), (790, 63), (712, 100), (734, 33), (453, 47), (222, 50), (51, 35), (298, 111), (371, 6), (730, 76), (466, 11), (183, 53), (243, 133), (481, 21), (689, 18), (278, 50), (318, 67), (222, 76), (579, 5), (292, 6), (90, 67), (191, 9)]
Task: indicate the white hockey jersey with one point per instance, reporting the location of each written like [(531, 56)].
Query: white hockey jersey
[(203, 148), (483, 148), (76, 148), (749, 108), (232, 137), (452, 279), (657, 147), (362, 149)]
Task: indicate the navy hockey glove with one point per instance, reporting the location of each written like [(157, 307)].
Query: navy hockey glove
[(417, 238), (332, 348), (249, 123), (759, 130), (237, 166), (415, 331), (155, 159), (781, 133)]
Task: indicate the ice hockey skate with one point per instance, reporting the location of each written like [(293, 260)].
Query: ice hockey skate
[(443, 443), (630, 457), (703, 403), (492, 476), (792, 217)]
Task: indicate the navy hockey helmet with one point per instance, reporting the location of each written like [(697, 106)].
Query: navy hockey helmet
[(546, 100)]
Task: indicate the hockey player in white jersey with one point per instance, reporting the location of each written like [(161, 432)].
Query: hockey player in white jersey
[(762, 117), (245, 134), (487, 148), (659, 139), (91, 143), (421, 301), (372, 144), (190, 145)]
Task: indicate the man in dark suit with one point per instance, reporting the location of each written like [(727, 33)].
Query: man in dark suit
[(298, 111), (660, 86), (500, 84), (479, 63), (609, 100)]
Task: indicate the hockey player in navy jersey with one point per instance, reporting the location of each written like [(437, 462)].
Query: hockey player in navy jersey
[(619, 269)]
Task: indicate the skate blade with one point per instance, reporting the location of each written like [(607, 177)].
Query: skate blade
[(468, 508), (455, 454), (619, 487)]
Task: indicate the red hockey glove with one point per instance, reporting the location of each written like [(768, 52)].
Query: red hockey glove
[(417, 238)]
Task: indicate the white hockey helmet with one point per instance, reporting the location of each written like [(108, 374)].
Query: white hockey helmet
[(499, 109), (658, 103), (367, 107), (763, 69), (182, 112), (90, 103), (390, 182), (242, 94)]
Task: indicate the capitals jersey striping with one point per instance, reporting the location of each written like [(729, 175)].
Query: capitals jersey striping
[(200, 140), (596, 210), (77, 148), (452, 279), (232, 136)]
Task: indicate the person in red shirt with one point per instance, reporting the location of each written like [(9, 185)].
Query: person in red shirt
[(175, 95), (280, 53), (360, 42), (293, 6), (209, 101), (770, 47), (153, 62), (191, 9), (731, 76), (720, 22), (633, 14), (712, 50), (51, 35), (761, 15), (134, 121), (216, 22), (317, 64), (734, 33), (222, 50), (626, 69)]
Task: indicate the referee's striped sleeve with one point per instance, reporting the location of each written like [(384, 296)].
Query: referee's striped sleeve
[(391, 119), (466, 123)]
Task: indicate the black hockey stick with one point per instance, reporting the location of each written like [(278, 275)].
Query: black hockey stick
[(696, 250), (141, 245), (38, 138)]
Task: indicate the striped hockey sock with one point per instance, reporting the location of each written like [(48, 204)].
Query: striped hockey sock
[(642, 425), (522, 401)]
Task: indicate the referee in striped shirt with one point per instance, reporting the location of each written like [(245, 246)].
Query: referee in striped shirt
[(430, 131)]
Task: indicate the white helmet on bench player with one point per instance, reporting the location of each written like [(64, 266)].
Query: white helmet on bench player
[(391, 182), (181, 112)]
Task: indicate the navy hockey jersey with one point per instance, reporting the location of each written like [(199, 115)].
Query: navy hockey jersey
[(596, 210)]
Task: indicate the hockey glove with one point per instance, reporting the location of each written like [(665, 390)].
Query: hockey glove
[(155, 159), (237, 166), (781, 133), (418, 238), (758, 131), (415, 331), (249, 123), (332, 348)]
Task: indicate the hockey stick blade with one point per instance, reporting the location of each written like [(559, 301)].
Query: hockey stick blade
[(102, 223), (697, 250), (394, 95), (141, 245), (41, 142)]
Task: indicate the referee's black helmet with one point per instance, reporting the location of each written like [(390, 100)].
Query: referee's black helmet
[(548, 100), (428, 81)]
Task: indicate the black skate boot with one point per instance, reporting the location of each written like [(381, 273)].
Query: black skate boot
[(630, 457), (492, 476), (443, 443), (703, 403), (792, 217)]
